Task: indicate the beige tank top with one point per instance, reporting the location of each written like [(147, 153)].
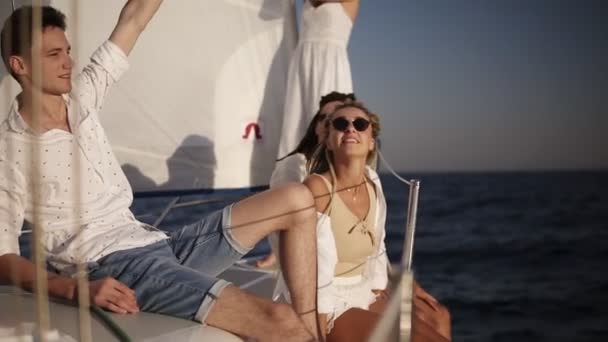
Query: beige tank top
[(355, 238)]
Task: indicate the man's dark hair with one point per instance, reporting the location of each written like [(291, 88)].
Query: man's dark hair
[(16, 36), (309, 142)]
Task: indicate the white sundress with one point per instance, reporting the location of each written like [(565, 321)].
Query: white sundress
[(319, 66)]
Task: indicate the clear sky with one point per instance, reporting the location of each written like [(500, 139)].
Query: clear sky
[(486, 84)]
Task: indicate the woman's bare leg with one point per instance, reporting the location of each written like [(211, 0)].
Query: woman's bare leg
[(379, 305), (353, 326)]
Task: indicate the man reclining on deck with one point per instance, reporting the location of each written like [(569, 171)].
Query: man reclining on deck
[(86, 219)]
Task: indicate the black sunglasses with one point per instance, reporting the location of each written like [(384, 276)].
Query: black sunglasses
[(341, 124)]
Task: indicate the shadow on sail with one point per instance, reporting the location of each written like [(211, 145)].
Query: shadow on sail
[(273, 99), (191, 166)]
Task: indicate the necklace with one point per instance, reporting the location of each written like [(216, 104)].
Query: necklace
[(355, 189)]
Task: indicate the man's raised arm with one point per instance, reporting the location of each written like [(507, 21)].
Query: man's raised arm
[(133, 19)]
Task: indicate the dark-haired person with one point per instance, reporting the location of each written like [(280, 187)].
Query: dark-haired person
[(292, 166), (351, 210), (131, 267)]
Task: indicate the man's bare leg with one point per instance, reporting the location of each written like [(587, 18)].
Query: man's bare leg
[(247, 315), (290, 210)]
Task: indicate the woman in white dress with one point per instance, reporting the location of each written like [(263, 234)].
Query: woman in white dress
[(319, 65)]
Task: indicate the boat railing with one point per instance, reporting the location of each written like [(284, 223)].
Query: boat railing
[(396, 321)]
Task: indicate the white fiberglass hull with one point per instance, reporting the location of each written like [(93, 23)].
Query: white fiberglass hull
[(18, 311)]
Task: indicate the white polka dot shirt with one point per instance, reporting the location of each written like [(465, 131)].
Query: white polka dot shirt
[(83, 195)]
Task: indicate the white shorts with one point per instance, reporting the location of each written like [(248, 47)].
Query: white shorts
[(348, 293)]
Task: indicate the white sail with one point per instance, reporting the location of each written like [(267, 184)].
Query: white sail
[(201, 106)]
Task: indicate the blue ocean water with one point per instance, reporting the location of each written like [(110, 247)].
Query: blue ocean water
[(515, 256)]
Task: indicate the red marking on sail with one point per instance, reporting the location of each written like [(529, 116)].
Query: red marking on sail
[(256, 128)]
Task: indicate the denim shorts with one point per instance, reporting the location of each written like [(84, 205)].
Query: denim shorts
[(177, 276)]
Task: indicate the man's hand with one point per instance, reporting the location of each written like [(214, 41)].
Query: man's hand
[(113, 295), (430, 315)]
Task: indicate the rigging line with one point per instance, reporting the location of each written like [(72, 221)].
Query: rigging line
[(388, 166), (165, 212), (412, 212), (14, 213), (369, 259), (232, 199), (209, 201), (256, 281), (109, 322), (41, 282), (84, 314)]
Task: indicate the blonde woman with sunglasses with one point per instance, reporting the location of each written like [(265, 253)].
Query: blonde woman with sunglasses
[(351, 215)]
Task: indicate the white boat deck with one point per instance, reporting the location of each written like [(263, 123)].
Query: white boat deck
[(18, 317), (18, 311)]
